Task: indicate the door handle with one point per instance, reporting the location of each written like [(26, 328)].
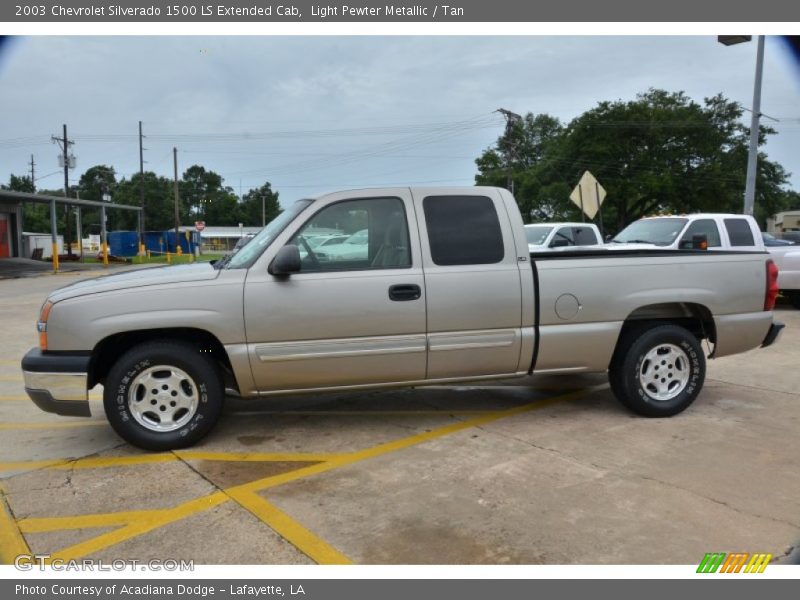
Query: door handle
[(404, 291)]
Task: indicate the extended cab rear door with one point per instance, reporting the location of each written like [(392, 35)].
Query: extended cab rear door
[(473, 283)]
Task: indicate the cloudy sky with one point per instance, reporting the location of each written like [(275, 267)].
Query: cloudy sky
[(312, 114)]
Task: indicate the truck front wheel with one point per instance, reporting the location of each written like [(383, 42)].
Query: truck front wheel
[(658, 371), (163, 395)]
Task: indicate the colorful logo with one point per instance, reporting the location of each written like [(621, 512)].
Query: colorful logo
[(744, 562)]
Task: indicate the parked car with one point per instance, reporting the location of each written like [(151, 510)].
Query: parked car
[(353, 248), (447, 291), (771, 241), (721, 232), (543, 237)]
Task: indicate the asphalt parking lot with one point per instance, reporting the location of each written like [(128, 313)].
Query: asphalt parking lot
[(545, 470)]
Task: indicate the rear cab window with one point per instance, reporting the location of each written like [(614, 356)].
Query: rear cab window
[(739, 233), (463, 230)]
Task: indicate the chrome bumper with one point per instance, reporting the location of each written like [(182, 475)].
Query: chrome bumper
[(53, 390)]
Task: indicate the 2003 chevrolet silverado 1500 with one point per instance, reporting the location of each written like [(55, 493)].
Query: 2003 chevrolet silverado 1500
[(439, 287)]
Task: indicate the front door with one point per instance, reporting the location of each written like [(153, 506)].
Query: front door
[(355, 313)]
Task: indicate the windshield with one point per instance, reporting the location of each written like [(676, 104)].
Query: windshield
[(263, 238), (661, 231), (537, 234)]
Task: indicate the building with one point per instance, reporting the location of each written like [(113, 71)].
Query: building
[(10, 228), (788, 220), (222, 239)]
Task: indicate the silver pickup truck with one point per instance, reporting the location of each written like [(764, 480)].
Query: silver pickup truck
[(437, 286)]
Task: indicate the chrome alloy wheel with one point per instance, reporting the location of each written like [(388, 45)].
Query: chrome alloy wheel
[(664, 372), (163, 398)]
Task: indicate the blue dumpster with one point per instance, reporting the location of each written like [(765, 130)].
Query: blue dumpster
[(123, 243)]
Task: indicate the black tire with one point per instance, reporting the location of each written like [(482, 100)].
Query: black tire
[(632, 372), (203, 373), (794, 298)]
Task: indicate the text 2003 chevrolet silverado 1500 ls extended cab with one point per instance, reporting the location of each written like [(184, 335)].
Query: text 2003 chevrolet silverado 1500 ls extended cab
[(443, 289)]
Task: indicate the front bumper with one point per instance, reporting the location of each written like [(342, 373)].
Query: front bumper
[(56, 382), (773, 334)]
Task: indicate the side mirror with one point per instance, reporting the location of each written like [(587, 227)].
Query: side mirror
[(699, 241), (559, 243), (286, 261)]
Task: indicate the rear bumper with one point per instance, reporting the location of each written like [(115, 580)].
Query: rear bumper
[(773, 334), (57, 382)]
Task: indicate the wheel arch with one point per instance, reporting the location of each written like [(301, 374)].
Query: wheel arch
[(696, 318), (108, 350)]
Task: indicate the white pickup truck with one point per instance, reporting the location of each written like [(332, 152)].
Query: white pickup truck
[(720, 232), (446, 291), (547, 236)]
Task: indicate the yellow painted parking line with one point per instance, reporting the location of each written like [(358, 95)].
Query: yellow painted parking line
[(12, 544), (52, 425), (304, 540), (153, 520), (45, 524), (353, 457), (14, 399), (254, 457), (32, 464), (101, 462), (136, 523), (11, 378)]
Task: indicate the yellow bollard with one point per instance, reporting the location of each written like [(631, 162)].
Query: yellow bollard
[(169, 258), (55, 258), (105, 254)]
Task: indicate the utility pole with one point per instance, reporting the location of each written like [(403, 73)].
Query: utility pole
[(752, 157), (69, 160), (512, 119), (263, 210), (141, 191), (177, 199), (33, 174)]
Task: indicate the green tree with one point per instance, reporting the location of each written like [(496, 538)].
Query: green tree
[(251, 204), (159, 202), (207, 199), (661, 152)]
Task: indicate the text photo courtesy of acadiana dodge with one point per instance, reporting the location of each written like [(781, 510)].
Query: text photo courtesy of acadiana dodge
[(77, 590)]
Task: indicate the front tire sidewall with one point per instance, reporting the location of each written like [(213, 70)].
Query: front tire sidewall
[(204, 375), (637, 398)]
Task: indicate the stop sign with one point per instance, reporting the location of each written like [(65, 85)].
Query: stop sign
[(199, 225)]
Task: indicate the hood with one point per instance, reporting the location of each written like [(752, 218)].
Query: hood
[(200, 271)]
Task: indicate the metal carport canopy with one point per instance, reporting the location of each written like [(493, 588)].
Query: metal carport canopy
[(44, 199)]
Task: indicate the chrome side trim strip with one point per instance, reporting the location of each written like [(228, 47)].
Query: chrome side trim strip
[(471, 340), (340, 348)]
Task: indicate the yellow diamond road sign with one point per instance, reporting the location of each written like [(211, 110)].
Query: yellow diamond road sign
[(588, 195)]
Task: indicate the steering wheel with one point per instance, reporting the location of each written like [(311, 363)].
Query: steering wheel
[(311, 255)]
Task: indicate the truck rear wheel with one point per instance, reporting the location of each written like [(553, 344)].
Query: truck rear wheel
[(658, 371), (163, 395)]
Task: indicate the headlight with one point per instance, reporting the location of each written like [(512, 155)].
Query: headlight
[(41, 325)]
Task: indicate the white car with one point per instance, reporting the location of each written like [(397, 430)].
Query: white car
[(355, 247), (545, 237)]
